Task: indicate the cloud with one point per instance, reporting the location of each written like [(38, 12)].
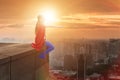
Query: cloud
[(11, 26), (91, 21)]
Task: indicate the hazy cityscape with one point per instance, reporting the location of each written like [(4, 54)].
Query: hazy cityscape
[(86, 58)]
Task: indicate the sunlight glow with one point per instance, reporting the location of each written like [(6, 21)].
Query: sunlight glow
[(49, 16)]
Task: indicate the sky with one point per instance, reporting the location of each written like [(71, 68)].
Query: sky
[(80, 18)]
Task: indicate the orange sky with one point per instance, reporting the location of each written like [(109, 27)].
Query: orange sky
[(83, 18)]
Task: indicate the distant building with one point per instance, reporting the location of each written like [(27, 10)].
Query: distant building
[(69, 63)]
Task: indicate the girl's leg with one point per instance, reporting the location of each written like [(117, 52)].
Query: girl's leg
[(50, 47)]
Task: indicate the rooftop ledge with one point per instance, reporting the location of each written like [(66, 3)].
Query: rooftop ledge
[(21, 62)]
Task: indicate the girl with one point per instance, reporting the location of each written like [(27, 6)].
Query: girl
[(40, 38)]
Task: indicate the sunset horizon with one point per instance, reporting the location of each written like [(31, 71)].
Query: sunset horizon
[(81, 18)]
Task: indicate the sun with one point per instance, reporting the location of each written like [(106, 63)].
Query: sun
[(49, 16)]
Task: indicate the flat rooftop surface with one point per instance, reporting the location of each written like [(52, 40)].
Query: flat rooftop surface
[(14, 50)]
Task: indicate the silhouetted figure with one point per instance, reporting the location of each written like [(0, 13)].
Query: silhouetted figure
[(40, 39)]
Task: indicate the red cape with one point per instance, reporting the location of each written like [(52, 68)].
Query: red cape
[(40, 37)]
